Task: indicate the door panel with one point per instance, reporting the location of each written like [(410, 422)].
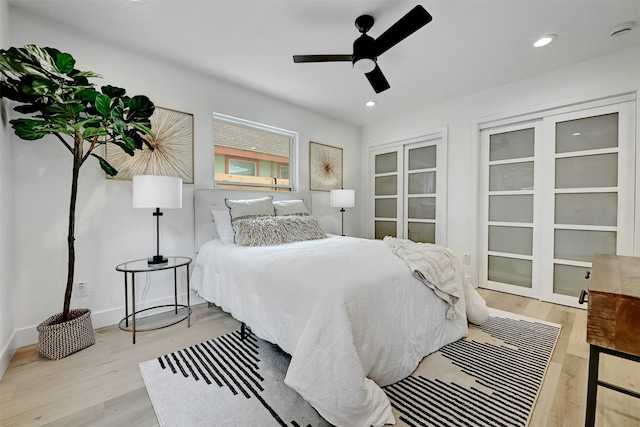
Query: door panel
[(387, 185), (592, 190), (409, 189), (553, 193), (508, 208)]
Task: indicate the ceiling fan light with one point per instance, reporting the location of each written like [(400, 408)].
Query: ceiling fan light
[(364, 65)]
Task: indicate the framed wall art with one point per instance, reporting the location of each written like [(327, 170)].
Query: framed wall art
[(173, 149), (325, 167)]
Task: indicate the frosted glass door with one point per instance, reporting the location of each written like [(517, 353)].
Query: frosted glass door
[(590, 195), (509, 209), (554, 192), (421, 198), (385, 193), (408, 183)]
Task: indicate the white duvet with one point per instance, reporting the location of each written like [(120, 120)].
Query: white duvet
[(348, 311)]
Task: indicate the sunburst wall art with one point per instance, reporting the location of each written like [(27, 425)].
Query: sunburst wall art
[(173, 149), (325, 167)]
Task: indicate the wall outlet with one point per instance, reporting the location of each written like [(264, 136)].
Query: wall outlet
[(80, 289), (465, 259)]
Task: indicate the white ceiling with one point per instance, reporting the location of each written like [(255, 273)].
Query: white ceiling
[(470, 45)]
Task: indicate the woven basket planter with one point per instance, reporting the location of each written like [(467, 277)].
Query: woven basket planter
[(59, 340)]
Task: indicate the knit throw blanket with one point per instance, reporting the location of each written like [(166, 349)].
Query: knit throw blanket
[(435, 266)]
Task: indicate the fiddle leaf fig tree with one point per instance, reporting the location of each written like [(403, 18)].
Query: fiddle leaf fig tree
[(60, 101)]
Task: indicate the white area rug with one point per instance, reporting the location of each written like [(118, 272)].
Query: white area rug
[(490, 378)]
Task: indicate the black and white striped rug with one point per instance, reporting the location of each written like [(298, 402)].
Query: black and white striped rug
[(490, 378)]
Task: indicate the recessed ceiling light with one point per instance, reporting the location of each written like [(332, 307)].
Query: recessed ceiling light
[(621, 29), (545, 40), (576, 134), (370, 103)]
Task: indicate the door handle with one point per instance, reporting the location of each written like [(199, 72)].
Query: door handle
[(582, 298)]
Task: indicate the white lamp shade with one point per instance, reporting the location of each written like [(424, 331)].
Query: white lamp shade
[(154, 191), (343, 198)]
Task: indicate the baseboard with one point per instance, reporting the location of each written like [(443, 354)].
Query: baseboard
[(7, 354), (99, 319)]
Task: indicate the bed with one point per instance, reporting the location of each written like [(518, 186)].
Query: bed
[(349, 311)]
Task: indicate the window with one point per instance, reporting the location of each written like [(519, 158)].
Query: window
[(252, 156)]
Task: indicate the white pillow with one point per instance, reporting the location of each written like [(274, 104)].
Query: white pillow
[(290, 207), (222, 221), (241, 209)]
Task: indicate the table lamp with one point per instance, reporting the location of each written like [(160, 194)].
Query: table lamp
[(343, 199), (159, 192)]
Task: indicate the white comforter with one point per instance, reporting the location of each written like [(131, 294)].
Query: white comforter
[(347, 310)]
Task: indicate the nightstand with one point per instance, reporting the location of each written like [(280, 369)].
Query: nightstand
[(179, 313)]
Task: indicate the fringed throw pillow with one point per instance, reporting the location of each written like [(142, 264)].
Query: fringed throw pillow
[(268, 231)]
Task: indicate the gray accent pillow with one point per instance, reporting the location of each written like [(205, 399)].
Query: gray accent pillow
[(290, 207), (269, 231), (241, 209), (250, 208)]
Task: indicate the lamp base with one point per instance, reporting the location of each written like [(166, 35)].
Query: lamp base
[(157, 259)]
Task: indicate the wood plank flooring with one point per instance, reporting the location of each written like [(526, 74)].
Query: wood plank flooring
[(102, 386)]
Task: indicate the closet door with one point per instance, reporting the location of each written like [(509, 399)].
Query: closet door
[(588, 195), (387, 193), (554, 192), (409, 189), (509, 208), (420, 195)]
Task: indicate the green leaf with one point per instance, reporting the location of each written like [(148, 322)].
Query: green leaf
[(65, 62), (143, 128), (76, 109), (103, 103), (88, 95), (39, 61), (109, 170), (116, 114), (90, 132), (55, 109), (30, 129), (52, 51), (91, 122), (39, 87), (112, 91), (124, 147), (140, 107), (30, 108), (140, 141)]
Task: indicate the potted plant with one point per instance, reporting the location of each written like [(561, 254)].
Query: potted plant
[(60, 101)]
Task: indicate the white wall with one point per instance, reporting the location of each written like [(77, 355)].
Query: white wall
[(108, 230), (590, 79), (7, 348)]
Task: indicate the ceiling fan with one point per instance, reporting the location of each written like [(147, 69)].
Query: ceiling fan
[(366, 49)]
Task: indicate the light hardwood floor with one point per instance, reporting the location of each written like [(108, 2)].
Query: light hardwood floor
[(102, 386)]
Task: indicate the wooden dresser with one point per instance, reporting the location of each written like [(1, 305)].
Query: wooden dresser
[(613, 319)]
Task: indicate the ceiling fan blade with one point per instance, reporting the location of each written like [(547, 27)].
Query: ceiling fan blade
[(415, 19), (320, 58), (377, 80)]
